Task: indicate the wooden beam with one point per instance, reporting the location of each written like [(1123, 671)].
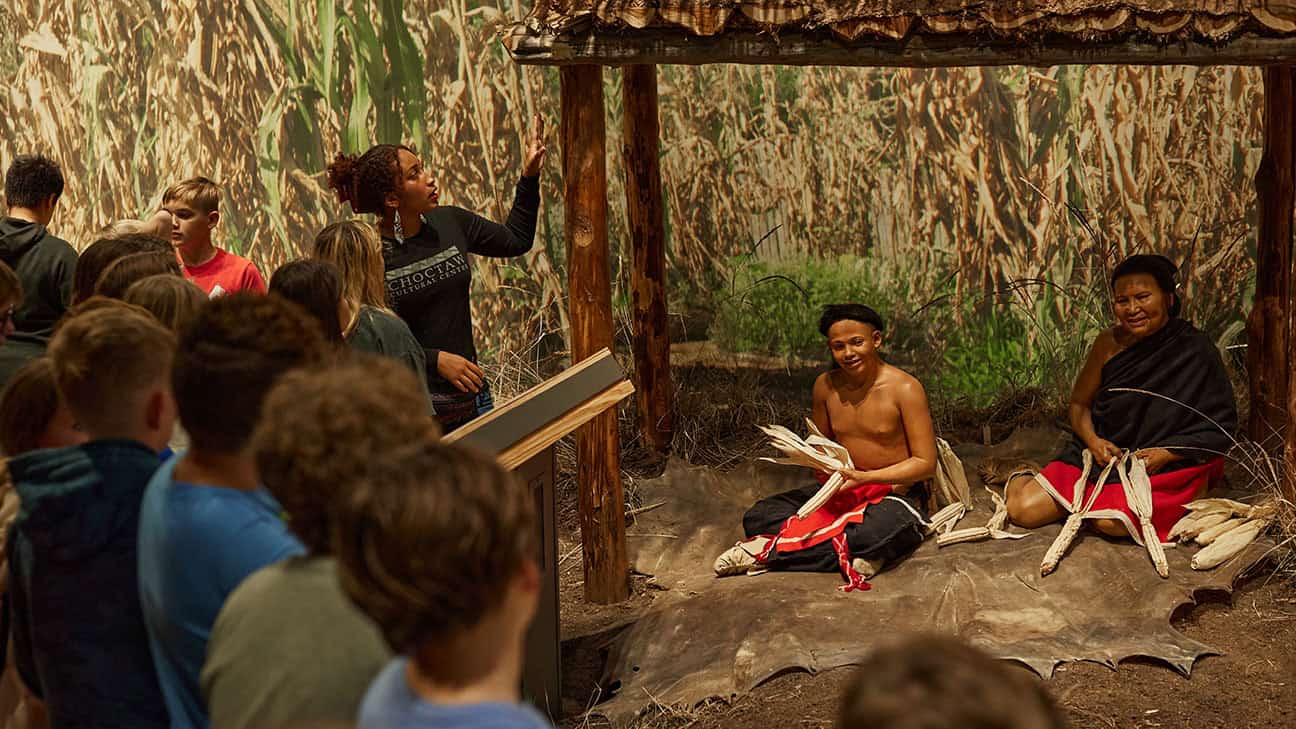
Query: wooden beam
[(795, 48), (1267, 325), (651, 338), (598, 447)]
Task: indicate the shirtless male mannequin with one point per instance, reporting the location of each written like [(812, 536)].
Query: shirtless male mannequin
[(880, 414)]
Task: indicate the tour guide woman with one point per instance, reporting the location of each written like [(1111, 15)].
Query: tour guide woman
[(425, 256), (1149, 349)]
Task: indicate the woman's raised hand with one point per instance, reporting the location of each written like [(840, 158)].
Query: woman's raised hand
[(535, 151), (1104, 451), (461, 372)]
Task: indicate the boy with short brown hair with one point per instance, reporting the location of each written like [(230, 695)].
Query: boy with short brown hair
[(193, 205), (437, 545), (206, 521), (931, 682), (76, 536), (33, 186), (317, 437)]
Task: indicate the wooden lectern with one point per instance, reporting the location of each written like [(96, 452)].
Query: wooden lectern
[(521, 435)]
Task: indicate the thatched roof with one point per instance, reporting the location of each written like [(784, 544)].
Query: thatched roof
[(912, 32)]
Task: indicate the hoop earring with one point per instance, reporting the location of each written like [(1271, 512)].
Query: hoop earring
[(396, 228)]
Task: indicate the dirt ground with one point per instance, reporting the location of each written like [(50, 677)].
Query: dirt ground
[(1252, 684)]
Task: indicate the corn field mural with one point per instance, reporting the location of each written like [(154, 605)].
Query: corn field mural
[(978, 208)]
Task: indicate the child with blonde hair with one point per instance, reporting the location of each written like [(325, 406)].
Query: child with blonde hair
[(354, 247), (194, 208)]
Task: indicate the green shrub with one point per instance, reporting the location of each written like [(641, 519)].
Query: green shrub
[(774, 308)]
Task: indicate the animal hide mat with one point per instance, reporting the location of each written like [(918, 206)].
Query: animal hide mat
[(706, 637)]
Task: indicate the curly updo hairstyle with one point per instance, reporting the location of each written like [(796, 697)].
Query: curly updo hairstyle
[(364, 181)]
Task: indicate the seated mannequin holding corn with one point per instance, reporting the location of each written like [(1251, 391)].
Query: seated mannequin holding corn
[(879, 414), (1153, 390)]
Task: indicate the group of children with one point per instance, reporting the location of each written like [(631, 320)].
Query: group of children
[(220, 508), (308, 537)]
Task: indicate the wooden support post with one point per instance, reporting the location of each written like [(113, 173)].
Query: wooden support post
[(1289, 327), (1268, 324), (651, 337), (598, 447)]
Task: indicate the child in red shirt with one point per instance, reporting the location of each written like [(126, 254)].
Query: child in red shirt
[(193, 208)]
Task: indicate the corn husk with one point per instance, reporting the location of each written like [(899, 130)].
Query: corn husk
[(1138, 495), (1078, 489), (1266, 510), (944, 521), (1208, 536), (960, 536), (951, 478), (995, 528), (1218, 505), (816, 452), (1229, 544), (999, 519), (1072, 526), (1196, 522), (822, 496)]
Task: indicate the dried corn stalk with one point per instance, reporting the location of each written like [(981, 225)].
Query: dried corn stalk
[(1138, 495)]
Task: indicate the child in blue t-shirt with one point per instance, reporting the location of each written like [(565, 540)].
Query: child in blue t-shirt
[(438, 547), (205, 521)]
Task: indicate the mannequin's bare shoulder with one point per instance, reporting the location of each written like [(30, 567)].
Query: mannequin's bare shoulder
[(901, 380)]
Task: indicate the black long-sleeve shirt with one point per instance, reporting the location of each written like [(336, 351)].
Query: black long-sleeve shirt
[(429, 278)]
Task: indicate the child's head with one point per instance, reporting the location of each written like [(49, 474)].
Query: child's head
[(103, 253), (34, 182), (356, 249), (11, 294), (316, 287), (157, 225), (854, 333), (194, 208), (123, 272), (112, 365), (437, 545), (230, 356), (172, 300), (942, 683), (32, 415), (387, 178), (319, 432)]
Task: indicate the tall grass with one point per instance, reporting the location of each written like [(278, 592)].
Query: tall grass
[(963, 176)]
